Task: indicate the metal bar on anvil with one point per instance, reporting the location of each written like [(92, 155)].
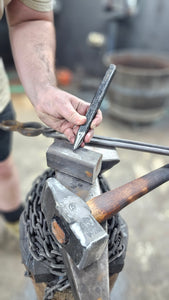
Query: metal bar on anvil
[(130, 145), (106, 142), (84, 165)]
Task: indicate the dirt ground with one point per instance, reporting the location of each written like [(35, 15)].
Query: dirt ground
[(146, 272)]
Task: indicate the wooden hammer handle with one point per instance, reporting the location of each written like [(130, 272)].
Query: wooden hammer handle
[(106, 205)]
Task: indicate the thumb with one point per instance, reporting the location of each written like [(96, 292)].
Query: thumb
[(75, 118)]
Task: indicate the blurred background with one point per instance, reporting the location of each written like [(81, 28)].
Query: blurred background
[(90, 35)]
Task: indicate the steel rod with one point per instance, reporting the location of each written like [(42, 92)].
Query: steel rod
[(130, 146), (107, 142)]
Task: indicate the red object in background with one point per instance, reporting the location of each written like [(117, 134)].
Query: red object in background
[(64, 76)]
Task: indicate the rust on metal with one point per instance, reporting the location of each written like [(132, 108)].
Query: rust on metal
[(58, 232), (88, 174)]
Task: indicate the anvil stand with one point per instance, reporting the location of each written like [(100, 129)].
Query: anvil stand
[(79, 173)]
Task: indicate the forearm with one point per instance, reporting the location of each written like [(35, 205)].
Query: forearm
[(34, 54), (33, 45)]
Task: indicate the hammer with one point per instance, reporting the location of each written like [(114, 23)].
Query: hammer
[(75, 224)]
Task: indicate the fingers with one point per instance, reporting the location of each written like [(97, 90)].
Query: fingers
[(65, 113), (71, 108), (89, 136), (81, 106), (74, 117), (70, 135), (60, 125), (62, 105), (97, 120), (73, 112)]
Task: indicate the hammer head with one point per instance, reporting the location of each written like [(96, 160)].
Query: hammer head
[(71, 223)]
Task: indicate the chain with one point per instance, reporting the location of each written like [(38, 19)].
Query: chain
[(27, 128), (42, 245)]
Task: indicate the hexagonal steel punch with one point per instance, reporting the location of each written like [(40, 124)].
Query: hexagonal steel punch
[(95, 105)]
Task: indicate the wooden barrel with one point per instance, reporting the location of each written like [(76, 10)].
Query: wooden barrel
[(139, 91)]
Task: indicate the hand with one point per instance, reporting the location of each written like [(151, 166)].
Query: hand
[(65, 113)]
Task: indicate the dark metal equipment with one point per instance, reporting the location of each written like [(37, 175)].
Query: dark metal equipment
[(62, 245), (95, 105), (45, 259)]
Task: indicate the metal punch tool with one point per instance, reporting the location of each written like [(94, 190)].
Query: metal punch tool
[(95, 105)]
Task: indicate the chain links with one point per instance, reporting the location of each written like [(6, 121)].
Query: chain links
[(27, 128), (42, 245)]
